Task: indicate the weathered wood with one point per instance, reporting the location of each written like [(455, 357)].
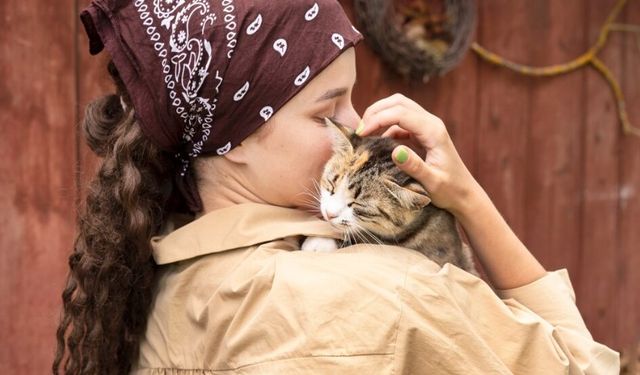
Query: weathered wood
[(553, 151), (596, 291), (627, 275), (504, 107), (37, 177)]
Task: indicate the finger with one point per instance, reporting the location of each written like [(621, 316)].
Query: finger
[(428, 129), (396, 132), (395, 99), (377, 133), (364, 129), (382, 120), (410, 163), (403, 137)]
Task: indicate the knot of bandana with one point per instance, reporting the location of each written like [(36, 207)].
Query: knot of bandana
[(205, 74)]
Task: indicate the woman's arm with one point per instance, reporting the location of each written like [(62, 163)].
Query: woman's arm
[(527, 290), (506, 260)]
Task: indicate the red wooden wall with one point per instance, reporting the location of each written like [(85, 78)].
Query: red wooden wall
[(549, 152)]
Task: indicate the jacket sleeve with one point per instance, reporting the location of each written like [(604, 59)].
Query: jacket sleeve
[(454, 323), (552, 299)]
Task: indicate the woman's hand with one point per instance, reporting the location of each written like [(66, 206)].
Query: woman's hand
[(505, 259), (441, 171)]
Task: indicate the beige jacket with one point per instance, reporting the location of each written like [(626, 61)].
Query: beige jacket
[(235, 296)]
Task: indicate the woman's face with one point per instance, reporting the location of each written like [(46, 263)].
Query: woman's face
[(287, 154)]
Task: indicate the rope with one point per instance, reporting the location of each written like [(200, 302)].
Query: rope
[(588, 58)]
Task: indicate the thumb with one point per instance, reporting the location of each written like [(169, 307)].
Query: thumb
[(412, 164)]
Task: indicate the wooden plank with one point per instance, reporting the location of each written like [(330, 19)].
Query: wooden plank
[(597, 291), (37, 177), (553, 153), (503, 107), (453, 98), (628, 255)]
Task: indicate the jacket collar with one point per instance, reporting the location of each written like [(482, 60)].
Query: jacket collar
[(232, 228)]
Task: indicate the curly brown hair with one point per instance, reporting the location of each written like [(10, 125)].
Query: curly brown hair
[(109, 288)]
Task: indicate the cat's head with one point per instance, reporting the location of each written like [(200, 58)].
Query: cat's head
[(361, 189)]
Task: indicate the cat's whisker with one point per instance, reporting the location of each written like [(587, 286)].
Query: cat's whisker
[(347, 238), (308, 191), (351, 233), (310, 201), (309, 194), (357, 234), (369, 233), (316, 184), (308, 197)]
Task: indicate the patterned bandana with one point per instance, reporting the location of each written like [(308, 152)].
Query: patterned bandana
[(205, 74)]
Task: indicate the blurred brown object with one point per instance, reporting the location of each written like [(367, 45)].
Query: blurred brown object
[(630, 360), (419, 39)]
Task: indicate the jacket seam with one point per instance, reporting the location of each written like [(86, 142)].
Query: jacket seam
[(268, 361)]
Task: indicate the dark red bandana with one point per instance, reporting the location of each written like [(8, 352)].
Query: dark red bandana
[(205, 74)]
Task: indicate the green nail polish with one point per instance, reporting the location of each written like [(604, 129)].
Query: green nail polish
[(360, 127), (402, 156)]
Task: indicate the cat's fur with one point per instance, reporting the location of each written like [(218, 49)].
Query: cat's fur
[(368, 197)]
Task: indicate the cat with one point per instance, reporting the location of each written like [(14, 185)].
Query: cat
[(365, 195)]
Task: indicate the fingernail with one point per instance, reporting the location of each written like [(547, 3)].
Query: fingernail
[(360, 127), (402, 155)]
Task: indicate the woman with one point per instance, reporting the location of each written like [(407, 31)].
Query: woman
[(219, 114)]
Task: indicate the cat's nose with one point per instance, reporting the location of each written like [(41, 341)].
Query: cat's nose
[(332, 214)]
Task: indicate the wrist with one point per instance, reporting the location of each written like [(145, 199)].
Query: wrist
[(471, 200)]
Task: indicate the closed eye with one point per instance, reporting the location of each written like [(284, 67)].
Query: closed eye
[(363, 213), (321, 120), (332, 188)]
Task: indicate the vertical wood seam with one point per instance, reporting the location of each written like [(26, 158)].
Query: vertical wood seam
[(478, 98), (76, 120), (617, 282), (581, 178)]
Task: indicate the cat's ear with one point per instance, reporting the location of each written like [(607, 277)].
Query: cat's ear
[(340, 135), (412, 196)]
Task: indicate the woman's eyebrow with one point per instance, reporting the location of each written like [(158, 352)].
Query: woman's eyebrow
[(334, 93)]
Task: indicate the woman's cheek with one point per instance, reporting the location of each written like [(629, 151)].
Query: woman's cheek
[(321, 152)]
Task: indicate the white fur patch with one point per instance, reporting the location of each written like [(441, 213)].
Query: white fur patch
[(319, 244), (334, 207)]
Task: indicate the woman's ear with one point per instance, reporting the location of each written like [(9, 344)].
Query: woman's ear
[(340, 135)]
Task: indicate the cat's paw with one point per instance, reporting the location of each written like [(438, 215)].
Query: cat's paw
[(319, 244)]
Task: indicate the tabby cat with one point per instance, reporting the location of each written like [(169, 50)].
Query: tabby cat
[(365, 195)]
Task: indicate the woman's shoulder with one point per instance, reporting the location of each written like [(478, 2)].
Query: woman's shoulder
[(249, 305)]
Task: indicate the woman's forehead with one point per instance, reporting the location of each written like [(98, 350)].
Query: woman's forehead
[(337, 77)]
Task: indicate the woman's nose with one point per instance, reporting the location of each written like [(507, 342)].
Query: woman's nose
[(352, 118)]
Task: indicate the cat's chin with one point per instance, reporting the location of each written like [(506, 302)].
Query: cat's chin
[(343, 227)]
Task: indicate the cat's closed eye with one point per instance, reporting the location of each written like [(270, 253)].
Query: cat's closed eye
[(332, 184), (365, 213)]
